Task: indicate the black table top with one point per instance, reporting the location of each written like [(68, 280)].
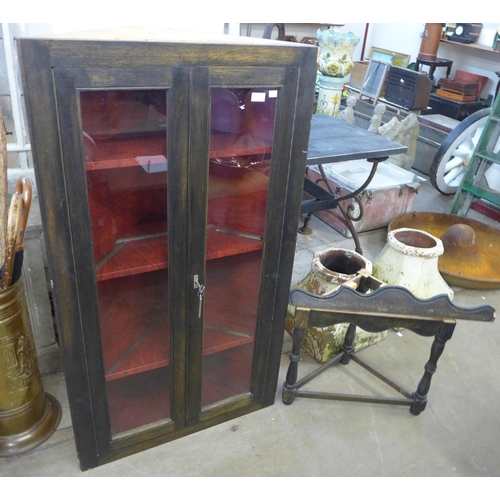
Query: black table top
[(333, 140)]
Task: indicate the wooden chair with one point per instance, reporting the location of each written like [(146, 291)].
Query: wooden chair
[(374, 306)]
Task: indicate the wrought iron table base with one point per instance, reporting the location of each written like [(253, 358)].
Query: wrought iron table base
[(329, 200), (333, 141), (385, 307)]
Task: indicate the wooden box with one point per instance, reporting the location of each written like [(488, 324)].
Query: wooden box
[(459, 86), (467, 77), (390, 193), (453, 109)]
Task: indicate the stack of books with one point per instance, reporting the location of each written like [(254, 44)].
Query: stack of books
[(457, 90)]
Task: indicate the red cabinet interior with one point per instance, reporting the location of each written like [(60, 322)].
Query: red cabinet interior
[(125, 143)]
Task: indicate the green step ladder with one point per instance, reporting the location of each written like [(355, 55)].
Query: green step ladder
[(483, 165)]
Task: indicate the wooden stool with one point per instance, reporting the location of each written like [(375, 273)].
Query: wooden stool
[(433, 64), (384, 307)]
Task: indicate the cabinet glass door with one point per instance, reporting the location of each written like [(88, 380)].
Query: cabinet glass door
[(125, 144), (241, 136)]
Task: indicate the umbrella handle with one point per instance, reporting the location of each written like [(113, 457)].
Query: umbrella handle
[(24, 188), (16, 227), (12, 237)]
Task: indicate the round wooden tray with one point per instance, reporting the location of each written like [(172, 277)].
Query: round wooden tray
[(460, 272)]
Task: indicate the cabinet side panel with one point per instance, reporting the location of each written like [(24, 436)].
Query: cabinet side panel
[(279, 178), (41, 107), (298, 120)]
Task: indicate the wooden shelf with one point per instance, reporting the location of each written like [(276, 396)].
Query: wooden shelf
[(475, 46), (136, 339), (224, 145), (139, 400), (126, 150), (144, 398), (129, 214), (151, 253)]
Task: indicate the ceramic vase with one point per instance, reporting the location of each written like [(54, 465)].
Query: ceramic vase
[(330, 269), (329, 95), (410, 259), (335, 52), (334, 64)]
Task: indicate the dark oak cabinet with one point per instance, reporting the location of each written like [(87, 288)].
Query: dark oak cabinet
[(170, 170)]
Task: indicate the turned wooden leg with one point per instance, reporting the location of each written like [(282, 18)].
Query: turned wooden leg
[(438, 345), (348, 346), (289, 387)]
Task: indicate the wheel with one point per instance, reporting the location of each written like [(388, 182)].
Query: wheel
[(452, 157)]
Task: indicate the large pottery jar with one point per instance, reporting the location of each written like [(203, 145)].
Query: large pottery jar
[(330, 269), (410, 259), (334, 64)]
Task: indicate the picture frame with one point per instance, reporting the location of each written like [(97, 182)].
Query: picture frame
[(374, 80), (311, 40), (394, 58)]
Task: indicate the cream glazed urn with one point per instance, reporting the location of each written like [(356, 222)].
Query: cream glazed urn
[(410, 259)]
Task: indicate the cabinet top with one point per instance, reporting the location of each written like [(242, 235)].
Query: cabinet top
[(161, 34), (138, 46)]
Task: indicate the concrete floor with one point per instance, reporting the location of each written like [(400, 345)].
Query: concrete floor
[(457, 435)]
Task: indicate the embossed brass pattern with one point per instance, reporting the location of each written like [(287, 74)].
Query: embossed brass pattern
[(28, 416)]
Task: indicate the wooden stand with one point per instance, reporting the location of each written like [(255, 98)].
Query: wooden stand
[(433, 64), (385, 307)]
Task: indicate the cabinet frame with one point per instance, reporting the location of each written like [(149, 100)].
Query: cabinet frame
[(54, 71)]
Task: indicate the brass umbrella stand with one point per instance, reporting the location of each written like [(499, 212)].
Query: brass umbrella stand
[(28, 415)]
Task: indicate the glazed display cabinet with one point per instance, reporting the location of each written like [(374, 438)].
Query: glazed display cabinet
[(170, 169)]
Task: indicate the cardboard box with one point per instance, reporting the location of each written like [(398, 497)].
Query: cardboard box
[(389, 194)]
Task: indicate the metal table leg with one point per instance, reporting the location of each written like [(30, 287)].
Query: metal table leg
[(333, 201)]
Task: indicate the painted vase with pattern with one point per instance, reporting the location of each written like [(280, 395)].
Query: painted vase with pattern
[(334, 65), (330, 269)]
